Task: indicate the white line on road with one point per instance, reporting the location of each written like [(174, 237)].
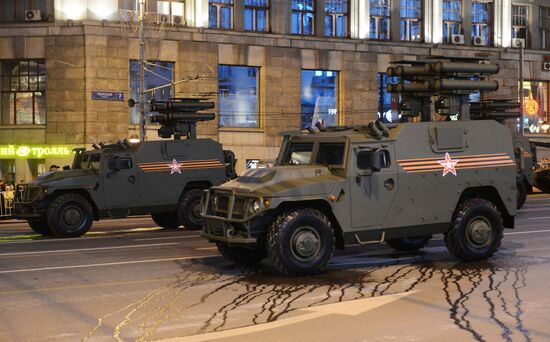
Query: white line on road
[(170, 237), (206, 248), (535, 209), (89, 249), (513, 233), (106, 264), (539, 218)]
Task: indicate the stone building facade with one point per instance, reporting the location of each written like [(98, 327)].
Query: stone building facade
[(90, 55)]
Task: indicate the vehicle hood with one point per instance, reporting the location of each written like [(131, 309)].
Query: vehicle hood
[(68, 178), (282, 181)]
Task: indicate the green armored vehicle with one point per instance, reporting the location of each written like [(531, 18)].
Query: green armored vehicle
[(164, 178), (358, 185)]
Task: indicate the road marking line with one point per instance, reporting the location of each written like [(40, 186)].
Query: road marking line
[(348, 308), (206, 248), (513, 233), (107, 264), (88, 249), (539, 218), (536, 209), (113, 234), (170, 237)]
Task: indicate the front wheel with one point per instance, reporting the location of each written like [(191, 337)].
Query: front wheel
[(242, 255), (476, 231), (40, 226), (300, 242), (189, 210), (70, 215), (166, 220), (413, 243)]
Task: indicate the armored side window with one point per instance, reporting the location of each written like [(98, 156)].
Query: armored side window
[(331, 153), (115, 163), (374, 160), (95, 160), (84, 161)]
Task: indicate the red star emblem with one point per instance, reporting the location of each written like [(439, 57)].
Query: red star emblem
[(448, 164), (174, 167)]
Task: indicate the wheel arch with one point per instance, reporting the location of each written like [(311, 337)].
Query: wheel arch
[(318, 204), (490, 194), (81, 192)]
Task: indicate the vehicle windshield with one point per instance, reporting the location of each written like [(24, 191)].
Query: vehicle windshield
[(89, 161), (327, 153)]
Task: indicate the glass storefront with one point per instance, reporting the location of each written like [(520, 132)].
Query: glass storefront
[(238, 96), (536, 99), (319, 98)]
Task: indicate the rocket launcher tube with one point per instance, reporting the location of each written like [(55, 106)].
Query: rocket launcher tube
[(451, 85), (459, 68)]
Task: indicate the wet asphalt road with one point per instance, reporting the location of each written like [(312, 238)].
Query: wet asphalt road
[(128, 280)]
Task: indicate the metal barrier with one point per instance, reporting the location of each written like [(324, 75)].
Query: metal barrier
[(6, 204)]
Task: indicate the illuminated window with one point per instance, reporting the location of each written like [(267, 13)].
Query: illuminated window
[(411, 20), (157, 76), (544, 13), (175, 9), (220, 14), (482, 12), (336, 18), (387, 102), (303, 14), (319, 98), (238, 96), (452, 19), (520, 22), (380, 19), (256, 15), (23, 97), (536, 105)]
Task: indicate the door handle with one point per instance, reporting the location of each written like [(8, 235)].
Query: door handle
[(132, 179), (389, 184)]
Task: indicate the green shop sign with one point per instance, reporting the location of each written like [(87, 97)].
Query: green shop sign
[(27, 151)]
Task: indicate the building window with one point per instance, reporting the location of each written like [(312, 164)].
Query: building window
[(535, 114), (158, 79), (482, 12), (380, 19), (319, 98), (452, 19), (256, 15), (238, 96), (175, 9), (387, 102), (23, 97), (220, 14), (14, 10), (303, 14), (520, 22), (544, 13), (411, 20), (336, 18)]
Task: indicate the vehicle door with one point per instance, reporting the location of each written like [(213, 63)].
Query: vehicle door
[(375, 185), (119, 179)]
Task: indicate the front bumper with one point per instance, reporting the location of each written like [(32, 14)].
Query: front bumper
[(228, 215), (27, 199)]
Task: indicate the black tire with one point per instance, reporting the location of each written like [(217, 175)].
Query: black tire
[(241, 255), (521, 193), (189, 210), (412, 243), (40, 226), (166, 220), (300, 242), (476, 230), (70, 215)]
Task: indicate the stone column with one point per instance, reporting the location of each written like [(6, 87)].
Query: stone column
[(534, 28), (238, 15), (319, 18), (281, 16), (395, 26)]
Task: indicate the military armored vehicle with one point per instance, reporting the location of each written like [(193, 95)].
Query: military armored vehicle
[(345, 186), (164, 178)]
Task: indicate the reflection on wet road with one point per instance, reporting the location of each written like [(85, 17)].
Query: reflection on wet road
[(155, 288)]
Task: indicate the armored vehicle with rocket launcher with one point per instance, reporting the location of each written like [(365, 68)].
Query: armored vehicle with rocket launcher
[(164, 178), (343, 186)]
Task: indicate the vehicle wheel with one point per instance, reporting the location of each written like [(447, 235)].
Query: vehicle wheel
[(166, 220), (40, 226), (521, 193), (242, 255), (476, 231), (189, 210), (413, 243), (300, 242), (70, 215)]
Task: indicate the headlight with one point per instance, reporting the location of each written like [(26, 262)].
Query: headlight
[(256, 205)]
